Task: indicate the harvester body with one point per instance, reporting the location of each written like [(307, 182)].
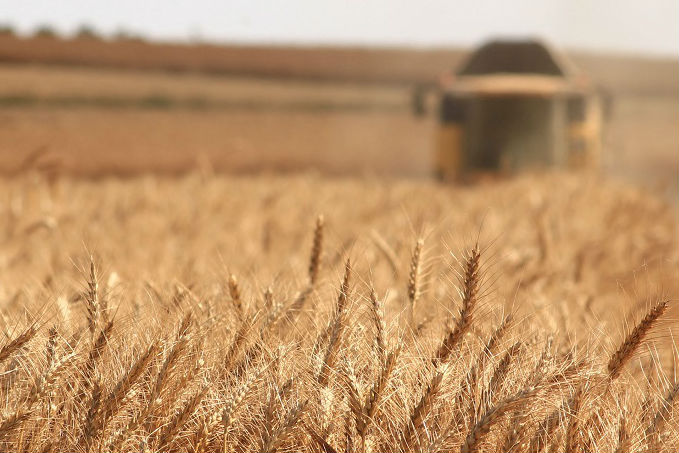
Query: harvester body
[(516, 105)]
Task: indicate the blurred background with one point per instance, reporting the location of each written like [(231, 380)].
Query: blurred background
[(341, 87)]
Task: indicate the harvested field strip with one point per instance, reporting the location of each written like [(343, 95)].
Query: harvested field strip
[(162, 102)]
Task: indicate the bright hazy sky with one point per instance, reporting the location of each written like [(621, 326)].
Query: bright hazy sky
[(630, 26)]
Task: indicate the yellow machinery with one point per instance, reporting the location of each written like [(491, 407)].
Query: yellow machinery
[(515, 105)]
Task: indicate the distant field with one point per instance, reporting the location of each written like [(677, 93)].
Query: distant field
[(124, 107), (621, 74), (97, 121), (352, 64), (52, 82)]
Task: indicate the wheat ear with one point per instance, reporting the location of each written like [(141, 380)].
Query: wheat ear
[(465, 395), (179, 419), (239, 341), (234, 293), (573, 430), (634, 339), (280, 435), (92, 302), (112, 404), (376, 394), (470, 292), (232, 405), (377, 312), (502, 370), (421, 410), (172, 357), (414, 290), (519, 400), (335, 329), (316, 251), (16, 344)]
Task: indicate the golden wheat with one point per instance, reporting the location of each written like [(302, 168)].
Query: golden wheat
[(299, 353)]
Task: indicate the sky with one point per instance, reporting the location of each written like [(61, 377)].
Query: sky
[(648, 27)]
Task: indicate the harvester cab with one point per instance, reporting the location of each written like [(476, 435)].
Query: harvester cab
[(516, 105)]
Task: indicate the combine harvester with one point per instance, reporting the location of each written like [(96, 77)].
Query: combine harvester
[(513, 106)]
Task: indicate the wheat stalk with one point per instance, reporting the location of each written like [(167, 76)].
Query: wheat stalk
[(375, 396), (655, 430)]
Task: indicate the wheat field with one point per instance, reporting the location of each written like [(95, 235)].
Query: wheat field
[(212, 313)]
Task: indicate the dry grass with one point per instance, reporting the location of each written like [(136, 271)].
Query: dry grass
[(224, 314)]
